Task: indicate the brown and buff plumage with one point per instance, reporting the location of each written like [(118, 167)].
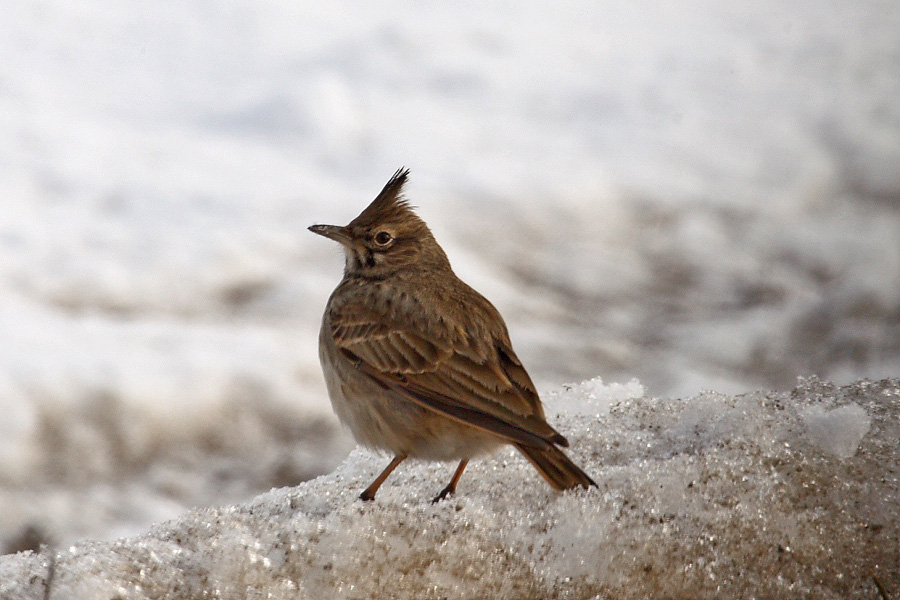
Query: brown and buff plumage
[(417, 362)]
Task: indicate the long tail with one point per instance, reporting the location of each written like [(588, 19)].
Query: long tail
[(557, 469)]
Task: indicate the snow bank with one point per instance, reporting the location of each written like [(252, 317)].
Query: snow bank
[(776, 495)]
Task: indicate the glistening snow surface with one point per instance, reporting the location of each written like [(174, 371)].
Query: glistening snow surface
[(697, 194), (714, 496)]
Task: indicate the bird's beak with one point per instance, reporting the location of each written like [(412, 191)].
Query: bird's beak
[(333, 232)]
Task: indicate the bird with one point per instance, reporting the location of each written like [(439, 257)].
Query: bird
[(420, 365)]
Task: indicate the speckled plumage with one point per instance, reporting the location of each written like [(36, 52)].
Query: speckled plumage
[(417, 362)]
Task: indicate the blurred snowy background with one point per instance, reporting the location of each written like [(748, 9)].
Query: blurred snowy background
[(696, 195)]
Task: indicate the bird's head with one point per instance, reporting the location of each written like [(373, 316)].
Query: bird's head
[(387, 236)]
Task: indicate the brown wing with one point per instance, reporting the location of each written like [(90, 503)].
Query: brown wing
[(472, 378)]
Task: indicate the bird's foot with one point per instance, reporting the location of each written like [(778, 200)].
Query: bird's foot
[(447, 491)]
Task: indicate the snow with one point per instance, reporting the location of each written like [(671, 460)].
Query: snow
[(838, 431), (693, 195), (711, 496)]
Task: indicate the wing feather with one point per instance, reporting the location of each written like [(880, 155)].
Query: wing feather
[(467, 378)]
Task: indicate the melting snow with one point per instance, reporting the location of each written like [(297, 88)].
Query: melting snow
[(775, 495)]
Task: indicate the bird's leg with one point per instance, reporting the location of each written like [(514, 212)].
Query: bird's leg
[(369, 492), (451, 487)]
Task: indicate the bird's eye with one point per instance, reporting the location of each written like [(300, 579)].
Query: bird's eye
[(383, 238)]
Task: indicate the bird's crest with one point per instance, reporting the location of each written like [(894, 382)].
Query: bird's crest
[(389, 204)]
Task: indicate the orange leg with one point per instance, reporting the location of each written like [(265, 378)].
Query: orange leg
[(369, 492), (451, 487)]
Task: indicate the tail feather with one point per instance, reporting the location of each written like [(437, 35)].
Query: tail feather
[(557, 469)]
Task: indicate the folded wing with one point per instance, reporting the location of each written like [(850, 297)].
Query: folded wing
[(455, 374)]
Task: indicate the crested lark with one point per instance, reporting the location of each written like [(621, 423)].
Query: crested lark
[(418, 363)]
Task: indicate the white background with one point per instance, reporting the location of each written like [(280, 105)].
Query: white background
[(694, 194)]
